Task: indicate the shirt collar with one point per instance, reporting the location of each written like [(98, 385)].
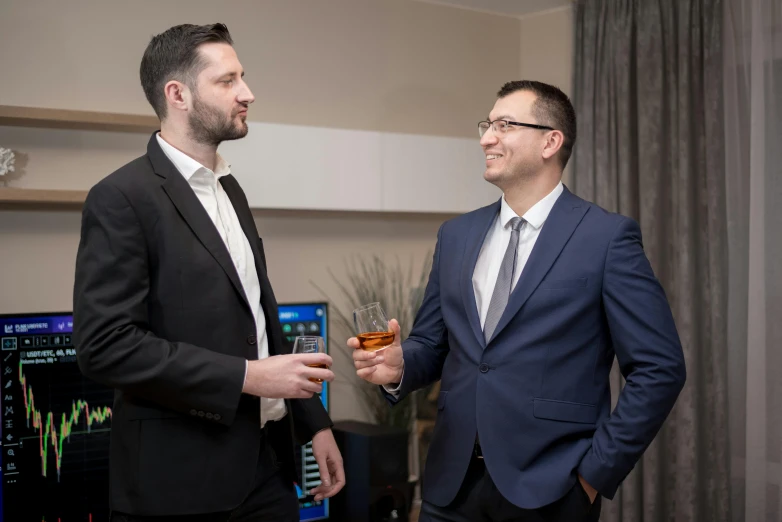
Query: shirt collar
[(187, 166), (536, 215)]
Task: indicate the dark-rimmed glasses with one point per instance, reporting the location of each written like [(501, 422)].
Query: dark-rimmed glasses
[(501, 126)]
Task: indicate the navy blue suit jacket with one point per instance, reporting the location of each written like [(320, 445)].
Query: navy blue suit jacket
[(538, 393)]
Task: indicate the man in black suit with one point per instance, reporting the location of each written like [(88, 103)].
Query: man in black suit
[(173, 308)]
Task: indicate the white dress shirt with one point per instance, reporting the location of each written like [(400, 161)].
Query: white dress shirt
[(210, 193), (487, 269)]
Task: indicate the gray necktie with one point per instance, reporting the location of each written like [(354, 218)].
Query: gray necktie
[(499, 298)]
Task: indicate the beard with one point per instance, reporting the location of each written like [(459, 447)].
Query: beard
[(211, 127)]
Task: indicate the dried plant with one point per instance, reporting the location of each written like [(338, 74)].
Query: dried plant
[(400, 292)]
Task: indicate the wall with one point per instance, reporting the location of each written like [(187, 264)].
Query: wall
[(386, 65), (547, 48), (383, 65), (547, 51)]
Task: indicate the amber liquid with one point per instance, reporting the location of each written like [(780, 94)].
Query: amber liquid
[(317, 366), (373, 341)]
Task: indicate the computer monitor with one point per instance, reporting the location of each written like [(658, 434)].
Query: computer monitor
[(55, 423), (307, 319)]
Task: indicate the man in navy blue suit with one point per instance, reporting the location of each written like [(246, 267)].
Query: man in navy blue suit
[(528, 302)]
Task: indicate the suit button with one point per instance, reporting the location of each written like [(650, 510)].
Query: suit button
[(209, 415), (251, 339), (200, 414), (217, 416), (193, 412), (483, 367)]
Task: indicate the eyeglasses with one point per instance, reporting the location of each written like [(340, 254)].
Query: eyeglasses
[(501, 126)]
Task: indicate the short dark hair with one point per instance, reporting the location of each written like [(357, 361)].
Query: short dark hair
[(552, 108), (174, 55)]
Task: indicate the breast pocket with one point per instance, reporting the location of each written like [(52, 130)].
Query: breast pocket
[(558, 284), (203, 281)]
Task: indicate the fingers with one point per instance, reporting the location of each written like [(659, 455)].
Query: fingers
[(339, 478), (353, 343), (365, 373), (319, 492), (359, 364), (311, 387), (318, 373), (314, 358), (394, 324), (363, 355), (363, 359), (325, 478), (336, 473), (322, 491)]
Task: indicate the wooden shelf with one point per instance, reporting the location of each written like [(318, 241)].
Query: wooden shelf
[(40, 198), (76, 120)]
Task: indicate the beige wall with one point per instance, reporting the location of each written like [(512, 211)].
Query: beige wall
[(547, 48), (547, 51), (386, 65)]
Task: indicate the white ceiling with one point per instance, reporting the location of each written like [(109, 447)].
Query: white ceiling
[(518, 8)]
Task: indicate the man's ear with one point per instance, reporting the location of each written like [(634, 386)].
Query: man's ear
[(554, 141), (178, 95)]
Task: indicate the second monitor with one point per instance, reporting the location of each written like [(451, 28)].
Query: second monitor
[(55, 423)]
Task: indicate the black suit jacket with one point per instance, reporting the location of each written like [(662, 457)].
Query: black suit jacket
[(160, 315)]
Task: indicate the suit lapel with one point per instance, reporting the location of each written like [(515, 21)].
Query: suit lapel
[(475, 237), (192, 211), (242, 209), (268, 302), (559, 226)]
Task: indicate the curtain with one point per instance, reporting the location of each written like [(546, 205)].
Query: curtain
[(753, 159), (651, 145)]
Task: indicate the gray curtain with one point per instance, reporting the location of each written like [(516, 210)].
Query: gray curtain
[(649, 100), (753, 156)]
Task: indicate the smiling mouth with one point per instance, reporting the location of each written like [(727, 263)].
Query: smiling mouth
[(493, 156)]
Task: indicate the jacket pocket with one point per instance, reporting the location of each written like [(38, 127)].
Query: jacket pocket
[(134, 412), (552, 284), (564, 411)]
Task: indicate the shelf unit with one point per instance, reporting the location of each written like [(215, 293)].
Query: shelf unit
[(37, 117), (13, 116), (36, 198), (44, 199), (12, 198)]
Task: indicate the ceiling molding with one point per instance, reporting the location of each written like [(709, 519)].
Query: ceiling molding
[(479, 6)]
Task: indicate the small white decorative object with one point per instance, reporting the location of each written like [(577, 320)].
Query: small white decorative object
[(6, 161)]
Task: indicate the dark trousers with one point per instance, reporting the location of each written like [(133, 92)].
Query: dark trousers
[(272, 499), (479, 500)]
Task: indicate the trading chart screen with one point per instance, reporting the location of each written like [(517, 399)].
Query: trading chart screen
[(55, 423)]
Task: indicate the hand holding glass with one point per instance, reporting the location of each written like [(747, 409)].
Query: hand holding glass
[(311, 344), (372, 328)]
